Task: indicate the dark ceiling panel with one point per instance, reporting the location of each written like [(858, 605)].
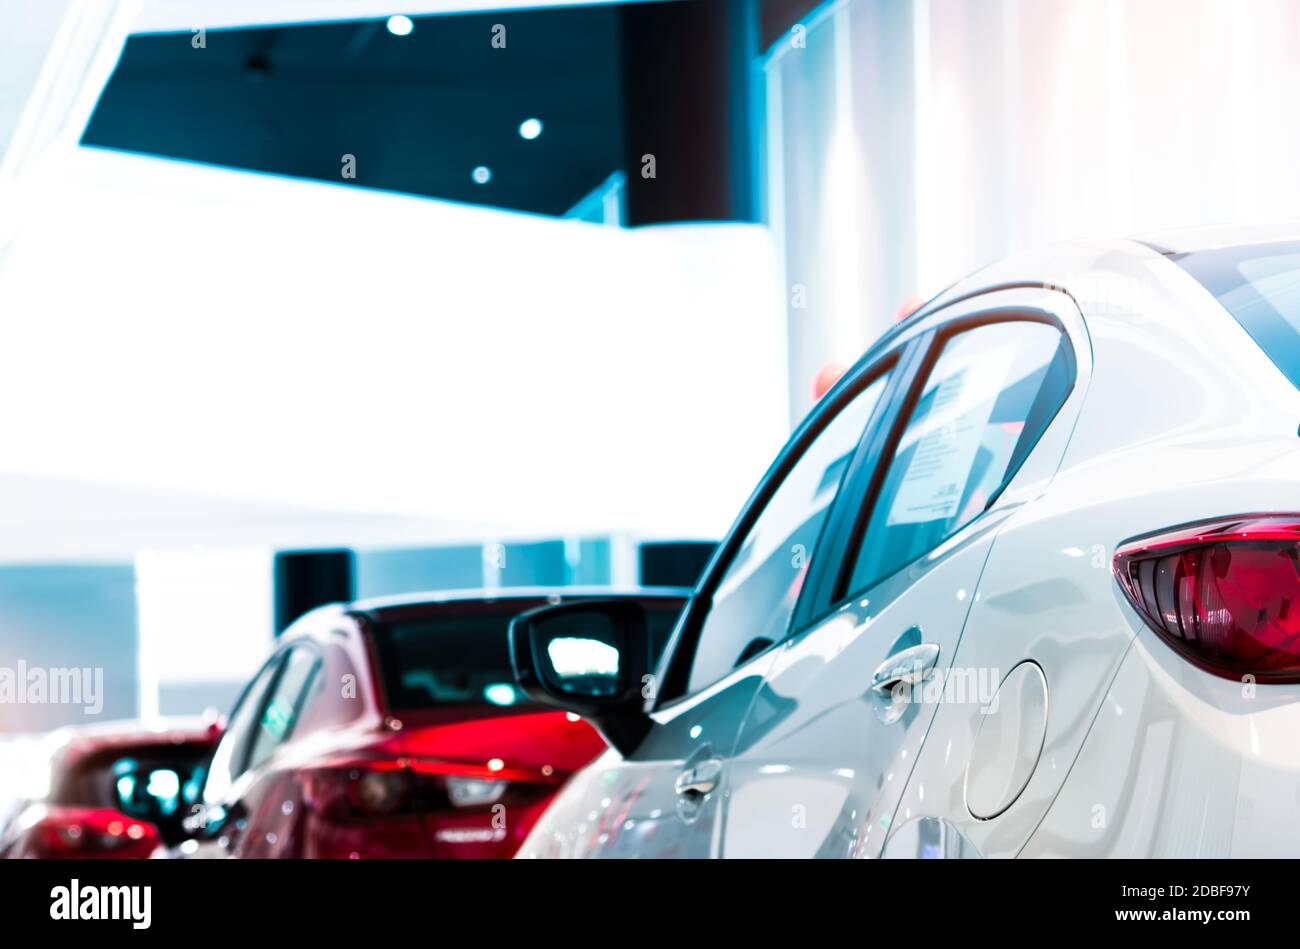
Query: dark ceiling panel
[(778, 16), (687, 74), (419, 112)]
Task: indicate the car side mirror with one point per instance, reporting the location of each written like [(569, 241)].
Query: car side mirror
[(589, 657)]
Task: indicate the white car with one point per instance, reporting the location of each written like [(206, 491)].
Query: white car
[(1024, 583)]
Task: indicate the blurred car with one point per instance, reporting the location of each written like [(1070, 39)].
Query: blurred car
[(120, 791), (394, 728), (1024, 583)]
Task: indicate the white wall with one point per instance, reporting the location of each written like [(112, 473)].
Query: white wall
[(979, 129), (188, 328), (27, 30)]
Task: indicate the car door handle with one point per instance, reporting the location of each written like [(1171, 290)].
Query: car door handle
[(699, 779), (911, 665)]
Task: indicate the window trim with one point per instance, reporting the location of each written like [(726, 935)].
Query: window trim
[(282, 658), (836, 585), (838, 529), (674, 669), (1217, 270), (237, 768), (299, 706), (378, 649)]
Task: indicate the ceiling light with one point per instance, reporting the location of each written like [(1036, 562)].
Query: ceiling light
[(400, 25), (530, 128), (482, 175)]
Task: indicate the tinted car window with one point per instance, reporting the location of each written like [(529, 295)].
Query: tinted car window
[(1259, 284), (461, 656), (344, 702), (991, 393), (288, 697), (228, 760), (754, 599), (154, 783), (217, 106)]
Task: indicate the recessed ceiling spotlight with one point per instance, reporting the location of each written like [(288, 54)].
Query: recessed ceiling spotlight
[(530, 128), (400, 25), (481, 175)]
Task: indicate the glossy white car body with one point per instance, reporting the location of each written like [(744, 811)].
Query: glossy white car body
[(1102, 741)]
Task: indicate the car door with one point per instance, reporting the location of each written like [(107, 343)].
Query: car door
[(833, 733), (238, 783), (212, 813), (662, 798), (257, 792)]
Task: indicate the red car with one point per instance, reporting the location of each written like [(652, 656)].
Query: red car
[(394, 728), (118, 791)]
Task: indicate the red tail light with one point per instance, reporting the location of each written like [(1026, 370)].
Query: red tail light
[(361, 806), (361, 788), (81, 832), (376, 791), (1225, 594), (381, 787)]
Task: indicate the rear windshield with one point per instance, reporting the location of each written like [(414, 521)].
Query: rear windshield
[(461, 657), (1259, 284), (154, 783)]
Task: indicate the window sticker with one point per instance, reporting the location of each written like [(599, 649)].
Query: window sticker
[(277, 717), (948, 437)]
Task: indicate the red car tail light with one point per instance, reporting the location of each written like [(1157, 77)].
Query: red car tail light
[(88, 832), (381, 806), (373, 791), (1224, 594), (360, 789), (381, 787), (473, 792)]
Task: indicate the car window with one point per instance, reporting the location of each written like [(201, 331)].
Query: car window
[(661, 619), (752, 602), (459, 656), (1259, 284), (339, 705), (158, 783), (991, 393), (282, 710), (228, 759)]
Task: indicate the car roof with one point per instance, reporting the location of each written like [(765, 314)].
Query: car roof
[(133, 729), (376, 606), (1190, 239), (1058, 265), (74, 743)]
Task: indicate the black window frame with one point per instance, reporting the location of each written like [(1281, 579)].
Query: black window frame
[(375, 626), (1218, 271), (833, 587), (283, 658), (236, 767), (893, 361)]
